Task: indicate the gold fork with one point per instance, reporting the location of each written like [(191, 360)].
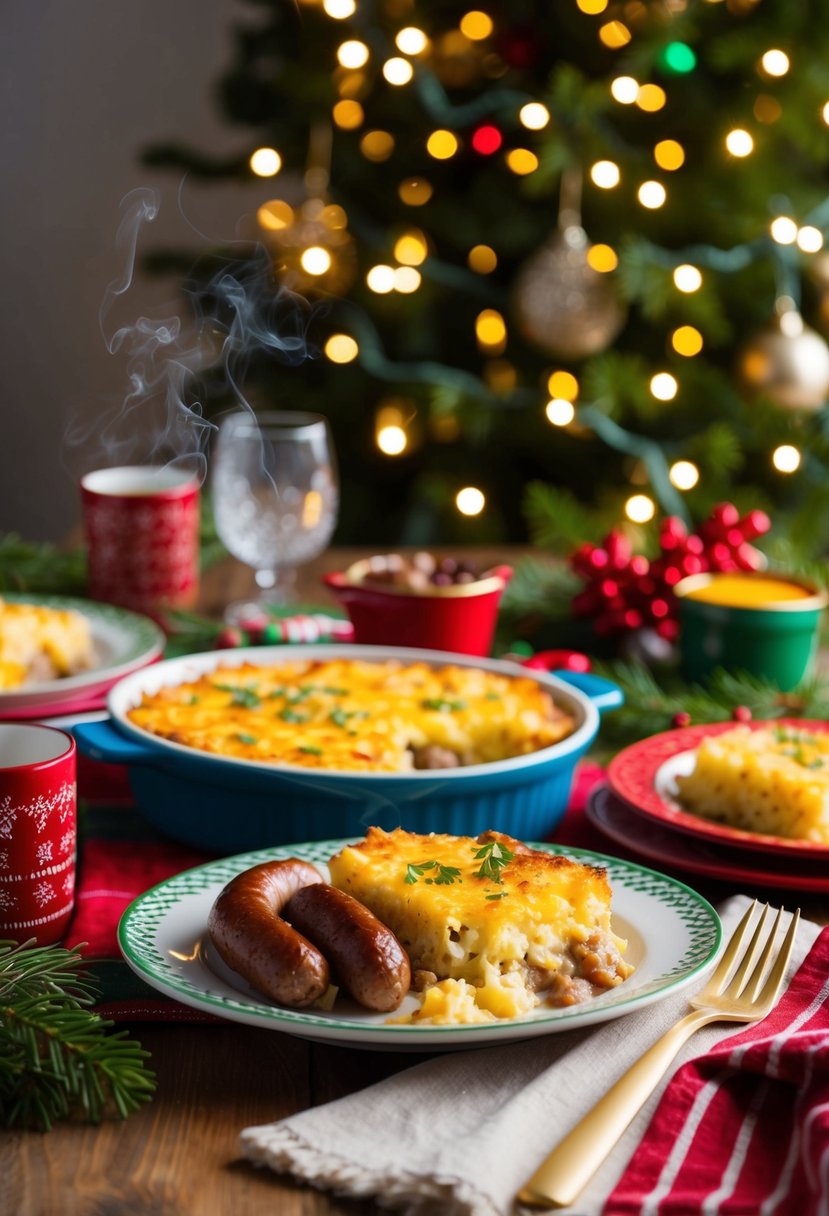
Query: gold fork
[(748, 996)]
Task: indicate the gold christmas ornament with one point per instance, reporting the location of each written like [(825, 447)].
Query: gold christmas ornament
[(561, 303), (786, 361)]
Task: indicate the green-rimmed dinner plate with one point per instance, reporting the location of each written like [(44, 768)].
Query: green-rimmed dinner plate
[(122, 641), (673, 936)]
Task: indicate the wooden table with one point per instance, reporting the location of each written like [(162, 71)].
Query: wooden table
[(180, 1154)]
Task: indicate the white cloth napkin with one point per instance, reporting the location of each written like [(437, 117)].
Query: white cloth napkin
[(460, 1133)]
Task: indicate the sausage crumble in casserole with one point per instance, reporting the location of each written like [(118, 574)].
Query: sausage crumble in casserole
[(353, 715)]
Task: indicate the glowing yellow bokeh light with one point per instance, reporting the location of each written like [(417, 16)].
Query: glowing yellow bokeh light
[(442, 144), (411, 249), (352, 54), (470, 500), (825, 113), (522, 161), (786, 458), (490, 329), (265, 162), (411, 40), (605, 174), (476, 25), (348, 115), (415, 191), (559, 411), (602, 258), (341, 348), (684, 475), (686, 340), (625, 90), (392, 440), (563, 384), (534, 116), (739, 142), (315, 260), (775, 63), (377, 146), (398, 71), (652, 195), (783, 230), (669, 155), (687, 278), (651, 97), (275, 215), (615, 34), (810, 239), (406, 279), (592, 7), (482, 259), (381, 279), (340, 10), (664, 386), (640, 509)]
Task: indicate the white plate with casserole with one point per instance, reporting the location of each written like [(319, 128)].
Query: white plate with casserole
[(673, 935), (122, 642)]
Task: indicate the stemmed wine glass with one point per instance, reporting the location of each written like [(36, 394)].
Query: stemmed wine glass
[(275, 497)]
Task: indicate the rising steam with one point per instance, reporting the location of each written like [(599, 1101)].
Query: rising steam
[(235, 313)]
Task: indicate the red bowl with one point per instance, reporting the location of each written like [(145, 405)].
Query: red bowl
[(460, 617)]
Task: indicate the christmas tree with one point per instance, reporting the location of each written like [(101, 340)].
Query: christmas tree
[(564, 259)]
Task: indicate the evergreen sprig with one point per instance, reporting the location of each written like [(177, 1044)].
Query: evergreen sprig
[(58, 1059), (39, 567), (653, 699)]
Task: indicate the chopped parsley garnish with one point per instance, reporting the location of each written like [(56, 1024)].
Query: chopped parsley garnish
[(247, 698), (497, 895), (277, 692), (493, 696), (289, 715), (334, 692), (340, 716), (301, 693), (243, 738), (192, 700), (445, 875), (311, 751), (493, 857), (442, 706)]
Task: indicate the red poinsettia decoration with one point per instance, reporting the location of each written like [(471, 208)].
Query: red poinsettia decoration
[(624, 591)]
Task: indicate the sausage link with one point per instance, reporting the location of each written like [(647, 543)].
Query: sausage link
[(246, 927), (365, 956)]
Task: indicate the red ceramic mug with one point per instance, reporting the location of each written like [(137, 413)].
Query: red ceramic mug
[(37, 831), (141, 525)]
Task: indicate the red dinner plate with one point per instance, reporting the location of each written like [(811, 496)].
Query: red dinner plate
[(625, 827), (644, 775)]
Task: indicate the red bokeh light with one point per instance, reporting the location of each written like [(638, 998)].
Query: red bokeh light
[(487, 140)]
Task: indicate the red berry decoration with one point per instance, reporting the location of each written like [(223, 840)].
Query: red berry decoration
[(681, 719), (741, 714), (624, 591)]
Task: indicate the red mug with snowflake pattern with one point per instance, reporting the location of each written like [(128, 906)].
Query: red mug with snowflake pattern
[(38, 825), (141, 525)]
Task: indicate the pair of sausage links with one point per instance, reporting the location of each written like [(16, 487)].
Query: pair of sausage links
[(365, 956), (247, 928)]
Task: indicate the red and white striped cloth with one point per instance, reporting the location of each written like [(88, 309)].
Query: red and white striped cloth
[(745, 1128)]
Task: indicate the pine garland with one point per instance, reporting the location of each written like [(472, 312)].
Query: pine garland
[(654, 699), (58, 1059)]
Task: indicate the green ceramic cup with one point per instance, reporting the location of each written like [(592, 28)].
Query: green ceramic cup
[(753, 629)]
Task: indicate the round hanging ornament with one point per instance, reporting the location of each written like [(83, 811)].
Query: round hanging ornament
[(786, 361), (562, 305)]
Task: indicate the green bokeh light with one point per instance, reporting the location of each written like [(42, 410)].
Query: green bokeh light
[(679, 57)]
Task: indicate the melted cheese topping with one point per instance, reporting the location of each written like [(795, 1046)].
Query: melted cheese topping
[(38, 643), (352, 715), (540, 924)]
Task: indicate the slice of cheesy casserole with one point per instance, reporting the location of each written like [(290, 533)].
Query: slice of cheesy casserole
[(352, 715), (491, 926), (773, 780), (38, 643)]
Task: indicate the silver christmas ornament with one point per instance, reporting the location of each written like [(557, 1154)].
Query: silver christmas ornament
[(562, 304), (786, 361)]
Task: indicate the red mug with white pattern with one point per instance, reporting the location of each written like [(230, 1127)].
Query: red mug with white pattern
[(38, 832), (141, 525)]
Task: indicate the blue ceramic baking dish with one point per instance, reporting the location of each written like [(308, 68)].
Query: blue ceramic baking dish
[(228, 804)]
